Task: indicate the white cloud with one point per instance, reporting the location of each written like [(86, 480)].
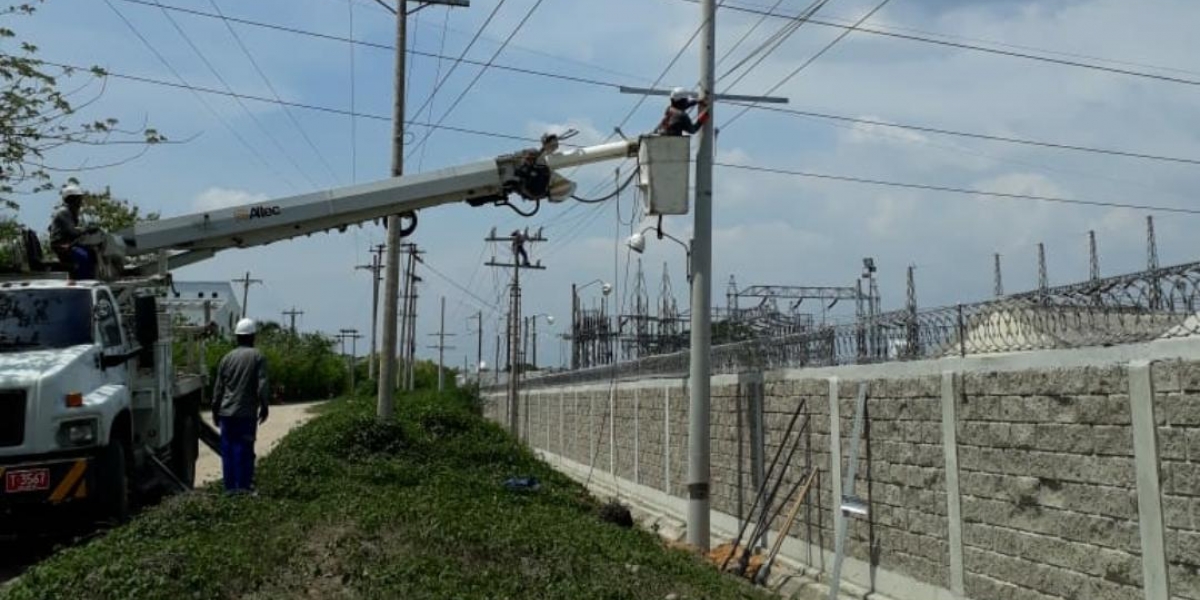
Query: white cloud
[(216, 197)]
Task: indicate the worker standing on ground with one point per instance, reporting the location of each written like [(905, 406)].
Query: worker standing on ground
[(676, 121), (241, 399), (65, 233)]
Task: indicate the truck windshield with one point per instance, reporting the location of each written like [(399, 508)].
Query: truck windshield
[(44, 318)]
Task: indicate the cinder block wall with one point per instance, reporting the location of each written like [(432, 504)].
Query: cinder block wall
[(993, 479)]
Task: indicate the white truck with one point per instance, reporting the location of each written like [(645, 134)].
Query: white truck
[(94, 415)]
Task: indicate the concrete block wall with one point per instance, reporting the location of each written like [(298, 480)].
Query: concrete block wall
[(1061, 474)]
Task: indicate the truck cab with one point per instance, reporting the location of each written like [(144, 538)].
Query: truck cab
[(91, 412)]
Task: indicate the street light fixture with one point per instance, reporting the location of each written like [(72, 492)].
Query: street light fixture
[(637, 243)]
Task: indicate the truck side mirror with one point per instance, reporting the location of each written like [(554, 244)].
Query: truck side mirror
[(145, 316)]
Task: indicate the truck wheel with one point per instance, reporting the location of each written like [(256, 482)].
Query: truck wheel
[(112, 484), (186, 449)]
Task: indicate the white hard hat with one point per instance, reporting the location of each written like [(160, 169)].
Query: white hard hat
[(679, 94), (245, 327), (71, 190)]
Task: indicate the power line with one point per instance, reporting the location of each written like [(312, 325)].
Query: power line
[(183, 84), (957, 190), (478, 75), (462, 56), (382, 46), (773, 43), (253, 118), (813, 58), (313, 107), (965, 46), (483, 303), (979, 136), (796, 112), (267, 80)]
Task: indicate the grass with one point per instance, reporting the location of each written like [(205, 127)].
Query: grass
[(353, 508)]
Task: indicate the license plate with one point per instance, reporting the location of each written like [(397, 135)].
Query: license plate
[(27, 480)]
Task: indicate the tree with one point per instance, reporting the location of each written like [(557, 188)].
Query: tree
[(109, 213), (37, 117)]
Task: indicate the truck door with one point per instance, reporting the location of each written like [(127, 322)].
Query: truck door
[(108, 330)]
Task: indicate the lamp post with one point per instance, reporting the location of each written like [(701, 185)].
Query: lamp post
[(576, 351), (637, 243), (531, 326)]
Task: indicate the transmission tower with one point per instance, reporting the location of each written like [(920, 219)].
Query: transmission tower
[(1152, 264), (912, 346)]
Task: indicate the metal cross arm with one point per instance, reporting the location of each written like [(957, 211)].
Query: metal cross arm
[(724, 97)]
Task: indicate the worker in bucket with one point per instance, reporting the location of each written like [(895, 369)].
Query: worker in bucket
[(676, 121), (65, 233), (241, 399)]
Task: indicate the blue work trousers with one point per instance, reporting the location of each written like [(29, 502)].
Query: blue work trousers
[(237, 452)]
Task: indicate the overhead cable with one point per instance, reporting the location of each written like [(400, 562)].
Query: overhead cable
[(964, 46), (958, 190), (270, 87), (183, 84), (804, 65)]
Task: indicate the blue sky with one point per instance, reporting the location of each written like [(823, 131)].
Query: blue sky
[(769, 229)]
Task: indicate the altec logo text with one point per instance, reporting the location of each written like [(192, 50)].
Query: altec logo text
[(258, 212)]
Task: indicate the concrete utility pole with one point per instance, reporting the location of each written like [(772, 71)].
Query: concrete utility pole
[(375, 268), (391, 293), (517, 242), (1093, 257), (1043, 274), (246, 281), (352, 335), (291, 315), (479, 349), (699, 444), (441, 347), (998, 276), (410, 311)]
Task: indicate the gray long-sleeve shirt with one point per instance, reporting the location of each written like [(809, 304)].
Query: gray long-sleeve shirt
[(241, 385), (64, 226)]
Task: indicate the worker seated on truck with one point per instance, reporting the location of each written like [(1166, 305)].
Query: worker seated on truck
[(241, 397), (676, 121), (65, 233)]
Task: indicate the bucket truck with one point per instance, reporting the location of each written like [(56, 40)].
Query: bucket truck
[(94, 414)]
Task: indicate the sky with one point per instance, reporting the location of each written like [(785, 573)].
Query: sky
[(769, 228)]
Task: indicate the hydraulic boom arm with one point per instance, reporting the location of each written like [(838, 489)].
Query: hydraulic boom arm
[(198, 236)]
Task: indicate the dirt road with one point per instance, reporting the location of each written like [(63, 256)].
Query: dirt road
[(282, 420)]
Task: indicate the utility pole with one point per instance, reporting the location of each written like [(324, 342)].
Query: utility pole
[(1093, 257), (414, 257), (375, 268), (479, 349), (1152, 264), (699, 435), (441, 347), (699, 444), (520, 261), (999, 278), (391, 299), (292, 314), (352, 335), (1043, 275), (246, 281)]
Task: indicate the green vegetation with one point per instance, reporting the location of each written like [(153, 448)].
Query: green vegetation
[(350, 507), (302, 367)]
